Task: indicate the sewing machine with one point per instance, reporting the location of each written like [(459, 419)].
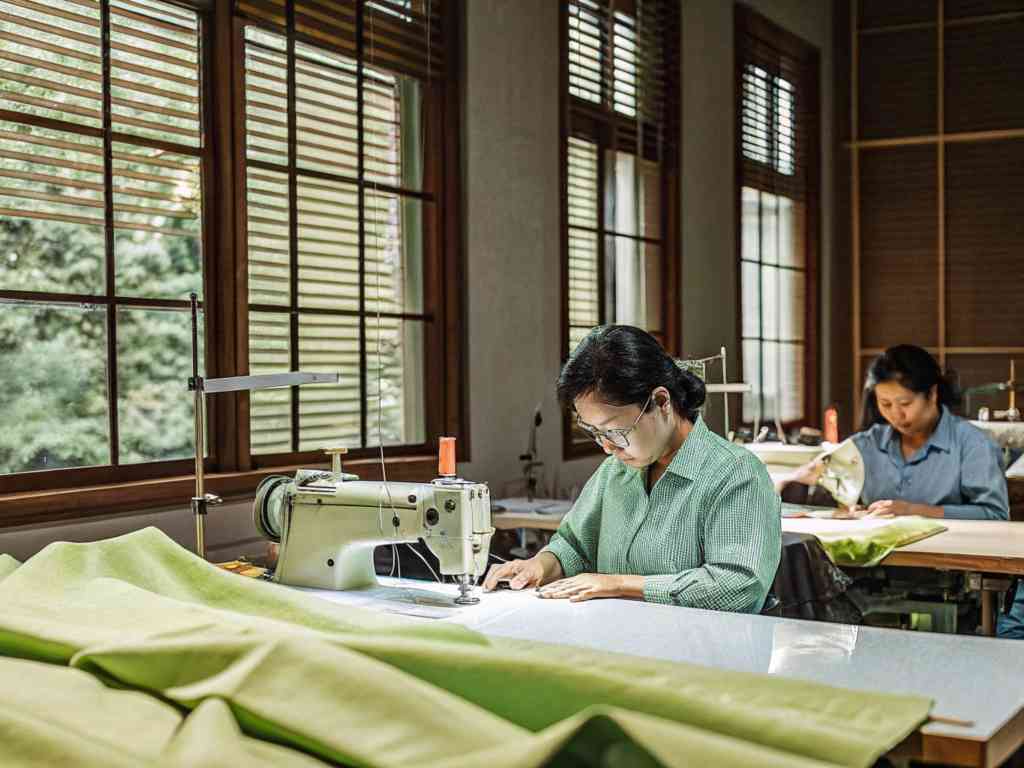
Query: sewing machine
[(328, 523)]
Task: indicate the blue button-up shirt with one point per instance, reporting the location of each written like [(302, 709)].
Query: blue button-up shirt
[(959, 469)]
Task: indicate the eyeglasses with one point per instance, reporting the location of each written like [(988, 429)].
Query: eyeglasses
[(617, 437)]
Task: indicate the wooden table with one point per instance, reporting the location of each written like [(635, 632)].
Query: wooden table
[(505, 521), (988, 546), (993, 549)]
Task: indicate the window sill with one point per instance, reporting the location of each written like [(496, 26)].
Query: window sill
[(36, 507)]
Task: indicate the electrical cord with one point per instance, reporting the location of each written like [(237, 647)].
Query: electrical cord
[(421, 557)]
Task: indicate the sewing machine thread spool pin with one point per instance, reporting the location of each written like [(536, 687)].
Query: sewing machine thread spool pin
[(336, 452)]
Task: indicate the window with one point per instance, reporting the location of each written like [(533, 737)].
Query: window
[(777, 157), (101, 158), (620, 172), (329, 132)]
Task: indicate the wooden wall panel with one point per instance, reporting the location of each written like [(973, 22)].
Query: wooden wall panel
[(898, 207), (984, 68), (885, 13), (898, 84), (985, 243), (960, 9)]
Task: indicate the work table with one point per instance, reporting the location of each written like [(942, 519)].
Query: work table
[(976, 680)]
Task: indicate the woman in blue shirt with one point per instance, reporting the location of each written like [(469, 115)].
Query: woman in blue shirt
[(921, 459)]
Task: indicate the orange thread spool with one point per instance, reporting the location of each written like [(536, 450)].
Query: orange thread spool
[(446, 457), (832, 424)]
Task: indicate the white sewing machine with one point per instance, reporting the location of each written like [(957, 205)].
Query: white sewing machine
[(328, 523)]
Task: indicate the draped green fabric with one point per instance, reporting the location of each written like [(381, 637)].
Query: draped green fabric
[(869, 547), (7, 566), (59, 716), (199, 659)]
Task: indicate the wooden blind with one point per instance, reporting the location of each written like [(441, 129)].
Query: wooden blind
[(101, 151), (336, 213), (587, 50), (57, 83), (584, 265), (776, 120), (405, 35), (619, 56), (53, 73)]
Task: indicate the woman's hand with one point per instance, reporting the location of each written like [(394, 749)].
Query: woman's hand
[(849, 513), (900, 508), (808, 474), (887, 508), (585, 586), (521, 574)]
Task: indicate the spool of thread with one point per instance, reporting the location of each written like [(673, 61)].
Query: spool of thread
[(832, 424), (446, 457)]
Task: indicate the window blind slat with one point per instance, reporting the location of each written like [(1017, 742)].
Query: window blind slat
[(584, 286)]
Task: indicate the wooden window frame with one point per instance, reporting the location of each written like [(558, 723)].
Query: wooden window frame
[(114, 472), (749, 22), (601, 125), (76, 493)]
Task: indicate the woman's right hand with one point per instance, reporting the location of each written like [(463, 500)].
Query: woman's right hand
[(520, 574), (808, 474)]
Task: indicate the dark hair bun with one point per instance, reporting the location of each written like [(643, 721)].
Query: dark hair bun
[(693, 387)]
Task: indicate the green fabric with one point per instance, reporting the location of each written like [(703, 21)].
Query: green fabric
[(707, 536), (870, 547), (8, 565), (58, 716), (344, 685)]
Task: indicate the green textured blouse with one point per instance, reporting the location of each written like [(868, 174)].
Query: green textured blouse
[(708, 535)]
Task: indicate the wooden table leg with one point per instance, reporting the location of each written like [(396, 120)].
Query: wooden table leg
[(988, 612)]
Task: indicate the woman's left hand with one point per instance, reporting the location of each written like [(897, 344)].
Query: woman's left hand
[(585, 586), (900, 508)]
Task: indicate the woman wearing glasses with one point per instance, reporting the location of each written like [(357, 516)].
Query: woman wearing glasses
[(675, 514)]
